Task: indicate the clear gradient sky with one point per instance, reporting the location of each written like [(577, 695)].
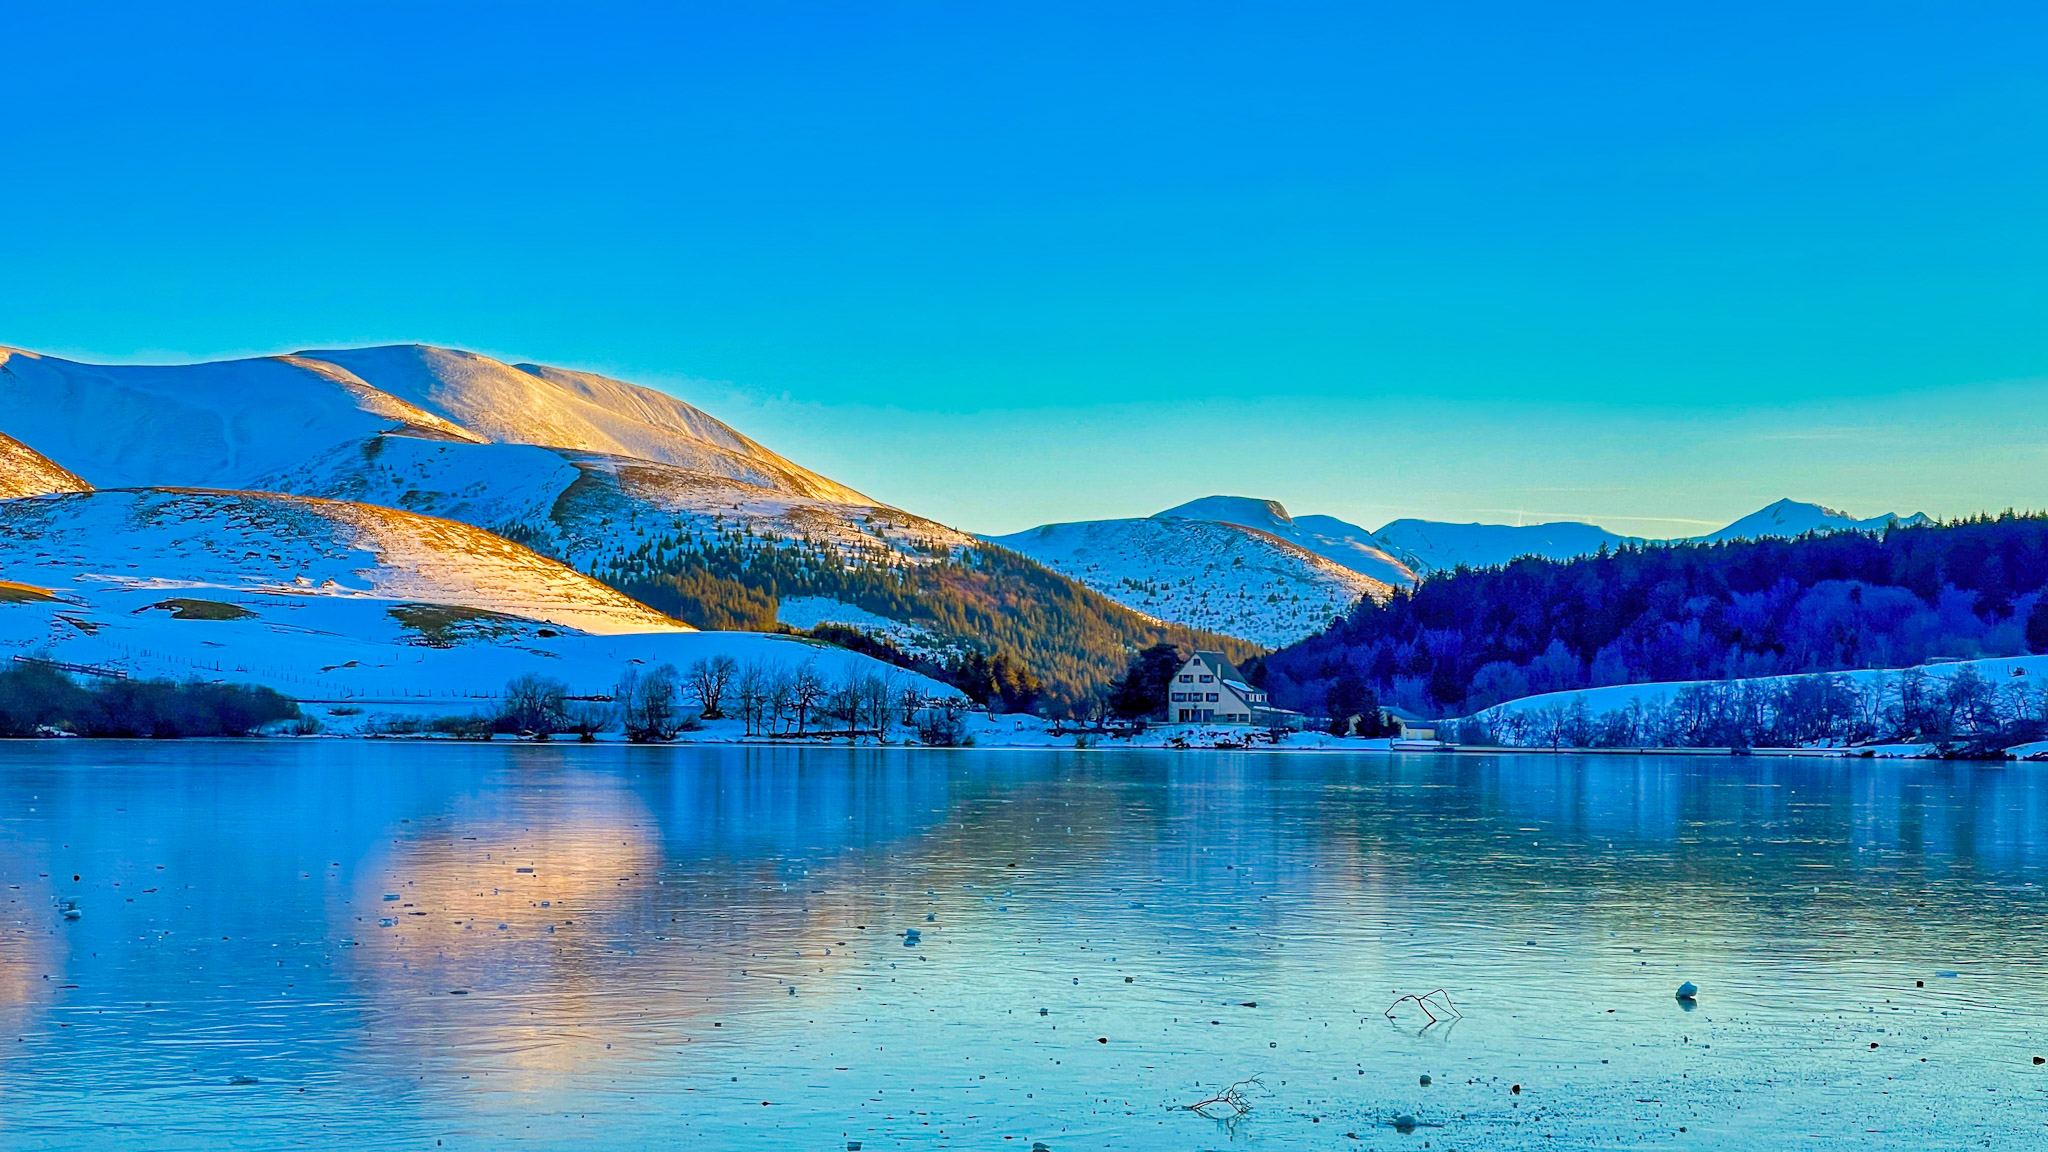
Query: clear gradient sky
[(1651, 265)]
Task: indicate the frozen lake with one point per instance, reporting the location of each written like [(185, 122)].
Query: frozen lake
[(381, 945)]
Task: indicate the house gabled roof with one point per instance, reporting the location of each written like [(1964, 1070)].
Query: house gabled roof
[(1225, 670)]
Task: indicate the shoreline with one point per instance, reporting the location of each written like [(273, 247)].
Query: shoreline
[(1326, 746)]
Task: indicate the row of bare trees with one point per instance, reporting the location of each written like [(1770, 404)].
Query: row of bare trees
[(775, 699)]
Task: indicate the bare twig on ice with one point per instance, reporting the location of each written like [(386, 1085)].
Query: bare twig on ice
[(1229, 1102), (1425, 1002)]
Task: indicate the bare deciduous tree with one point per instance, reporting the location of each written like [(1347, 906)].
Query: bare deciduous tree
[(709, 681), (843, 701), (536, 705), (806, 693), (779, 703), (647, 704), (750, 692)]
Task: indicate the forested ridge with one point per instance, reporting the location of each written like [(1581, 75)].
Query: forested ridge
[(1001, 608), (1467, 639)]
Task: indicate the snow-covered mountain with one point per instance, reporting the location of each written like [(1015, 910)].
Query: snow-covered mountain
[(458, 429), (613, 479), (324, 600), (1792, 518), (1432, 546), (1219, 576), (1177, 565), (228, 423), (575, 464), (1326, 536)]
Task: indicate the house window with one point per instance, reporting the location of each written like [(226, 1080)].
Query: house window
[(1208, 679), (1212, 697), (1187, 679)]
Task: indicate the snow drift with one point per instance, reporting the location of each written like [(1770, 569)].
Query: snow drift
[(328, 600)]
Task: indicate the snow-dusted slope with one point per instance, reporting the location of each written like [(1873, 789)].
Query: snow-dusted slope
[(1222, 577), (1430, 546), (329, 601), (27, 472), (1326, 536), (1530, 721), (584, 507), (579, 411), (228, 423), (577, 464), (209, 425), (113, 542), (1793, 518)]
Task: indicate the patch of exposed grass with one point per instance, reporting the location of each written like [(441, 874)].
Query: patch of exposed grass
[(443, 624), (12, 593), (183, 608)]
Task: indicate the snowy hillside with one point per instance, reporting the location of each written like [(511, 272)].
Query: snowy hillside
[(584, 507), (1326, 536), (325, 600), (2005, 689), (27, 472), (115, 541), (1222, 577), (1792, 518)]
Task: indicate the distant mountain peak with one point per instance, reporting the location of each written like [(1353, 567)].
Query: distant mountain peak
[(1248, 511), (1787, 504), (1788, 517), (1236, 579)]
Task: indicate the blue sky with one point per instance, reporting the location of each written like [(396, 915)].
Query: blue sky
[(1648, 265)]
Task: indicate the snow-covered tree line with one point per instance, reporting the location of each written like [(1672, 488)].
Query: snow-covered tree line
[(1963, 707)]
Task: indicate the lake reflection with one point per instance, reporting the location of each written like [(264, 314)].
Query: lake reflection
[(390, 945)]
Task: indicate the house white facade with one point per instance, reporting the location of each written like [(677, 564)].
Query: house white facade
[(1209, 689)]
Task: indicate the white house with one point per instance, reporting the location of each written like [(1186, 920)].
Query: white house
[(1407, 725), (1210, 689)]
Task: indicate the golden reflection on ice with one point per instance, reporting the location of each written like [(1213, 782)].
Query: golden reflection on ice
[(540, 943)]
